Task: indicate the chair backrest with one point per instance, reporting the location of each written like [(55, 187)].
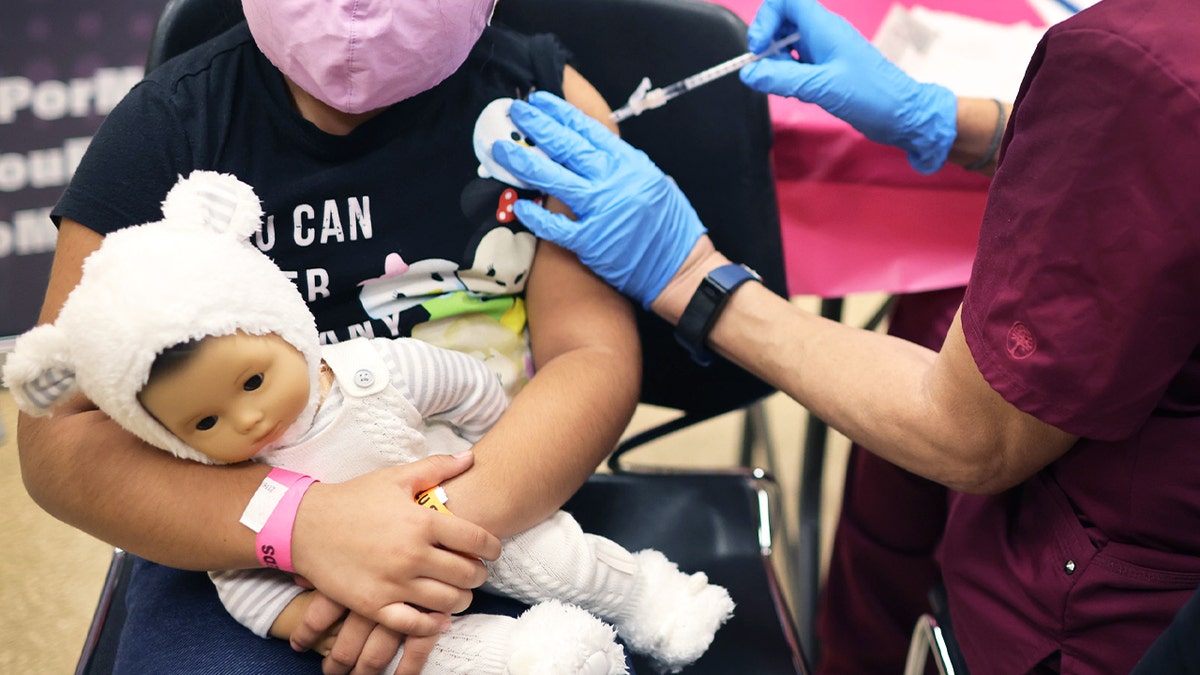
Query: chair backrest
[(723, 523), (714, 141), (184, 24)]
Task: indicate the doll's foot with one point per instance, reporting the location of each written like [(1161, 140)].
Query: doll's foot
[(676, 614), (552, 638)]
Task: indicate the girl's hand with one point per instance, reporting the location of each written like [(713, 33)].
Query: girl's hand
[(368, 546), (353, 644)]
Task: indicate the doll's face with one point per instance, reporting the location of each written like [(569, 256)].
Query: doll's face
[(234, 395)]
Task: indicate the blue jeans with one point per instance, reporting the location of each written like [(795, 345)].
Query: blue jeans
[(176, 624)]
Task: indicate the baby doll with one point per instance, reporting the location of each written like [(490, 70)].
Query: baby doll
[(193, 340)]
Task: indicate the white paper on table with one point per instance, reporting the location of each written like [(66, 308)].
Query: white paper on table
[(1053, 11), (970, 56)]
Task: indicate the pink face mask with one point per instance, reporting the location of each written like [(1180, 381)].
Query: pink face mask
[(359, 55)]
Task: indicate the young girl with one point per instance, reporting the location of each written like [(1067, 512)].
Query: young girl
[(163, 335), (358, 202)]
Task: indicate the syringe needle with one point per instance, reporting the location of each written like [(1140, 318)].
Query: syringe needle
[(644, 98)]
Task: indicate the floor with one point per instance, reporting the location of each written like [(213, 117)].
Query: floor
[(51, 577)]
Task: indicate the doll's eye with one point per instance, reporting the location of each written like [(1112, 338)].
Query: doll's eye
[(515, 136), (206, 423), (253, 383)]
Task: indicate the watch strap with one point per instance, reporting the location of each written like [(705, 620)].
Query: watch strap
[(705, 307)]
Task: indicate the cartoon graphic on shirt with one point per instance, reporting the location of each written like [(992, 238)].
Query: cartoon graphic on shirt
[(497, 263), (500, 261), (492, 326), (404, 285), (473, 308), (473, 305), (492, 125)]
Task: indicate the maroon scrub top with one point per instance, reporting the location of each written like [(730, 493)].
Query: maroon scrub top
[(1084, 310)]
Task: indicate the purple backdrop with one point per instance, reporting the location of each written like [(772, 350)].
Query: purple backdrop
[(63, 66)]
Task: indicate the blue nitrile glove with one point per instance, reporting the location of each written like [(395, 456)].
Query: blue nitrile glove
[(843, 73), (634, 228)]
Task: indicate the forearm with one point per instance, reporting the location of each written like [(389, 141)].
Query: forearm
[(571, 413), (866, 385), (977, 119), (929, 412), (89, 473), (557, 430)]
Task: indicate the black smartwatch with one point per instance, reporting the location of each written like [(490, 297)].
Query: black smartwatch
[(706, 305)]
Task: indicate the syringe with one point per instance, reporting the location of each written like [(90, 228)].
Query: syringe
[(644, 98)]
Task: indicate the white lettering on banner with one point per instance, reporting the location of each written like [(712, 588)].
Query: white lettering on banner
[(30, 232), (357, 214), (78, 97), (52, 167)]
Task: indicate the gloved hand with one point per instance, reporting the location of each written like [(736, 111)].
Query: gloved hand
[(635, 227), (843, 73)]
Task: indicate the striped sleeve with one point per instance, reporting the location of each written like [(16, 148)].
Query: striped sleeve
[(445, 385), (255, 597)]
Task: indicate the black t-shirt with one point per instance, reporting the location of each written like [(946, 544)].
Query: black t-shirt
[(383, 229)]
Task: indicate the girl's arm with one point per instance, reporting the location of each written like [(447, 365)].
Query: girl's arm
[(570, 415), (83, 469)]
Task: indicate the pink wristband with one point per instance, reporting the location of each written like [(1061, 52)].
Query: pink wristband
[(273, 543)]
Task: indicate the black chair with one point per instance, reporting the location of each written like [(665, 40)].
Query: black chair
[(716, 143), (184, 24)]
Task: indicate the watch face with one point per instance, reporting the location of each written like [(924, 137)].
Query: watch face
[(729, 277)]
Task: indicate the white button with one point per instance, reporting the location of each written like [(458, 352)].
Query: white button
[(364, 378)]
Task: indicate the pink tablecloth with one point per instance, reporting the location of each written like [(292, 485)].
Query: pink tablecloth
[(855, 217)]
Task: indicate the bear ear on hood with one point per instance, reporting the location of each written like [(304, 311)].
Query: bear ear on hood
[(39, 372), (214, 201)]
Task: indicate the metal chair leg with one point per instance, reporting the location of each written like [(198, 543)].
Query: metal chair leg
[(928, 639), (755, 432)]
